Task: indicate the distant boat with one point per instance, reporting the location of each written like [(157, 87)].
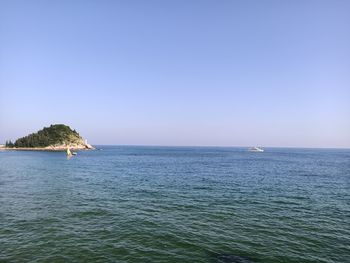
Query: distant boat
[(70, 153), (255, 149)]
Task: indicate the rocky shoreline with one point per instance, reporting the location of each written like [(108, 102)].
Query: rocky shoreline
[(51, 148)]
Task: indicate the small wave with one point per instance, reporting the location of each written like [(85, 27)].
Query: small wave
[(90, 213), (230, 258)]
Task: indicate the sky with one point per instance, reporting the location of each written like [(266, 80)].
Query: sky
[(185, 72)]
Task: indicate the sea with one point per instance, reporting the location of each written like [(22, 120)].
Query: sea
[(175, 204)]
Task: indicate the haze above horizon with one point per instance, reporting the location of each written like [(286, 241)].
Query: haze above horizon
[(199, 73)]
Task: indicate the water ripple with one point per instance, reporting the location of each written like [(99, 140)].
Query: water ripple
[(161, 204)]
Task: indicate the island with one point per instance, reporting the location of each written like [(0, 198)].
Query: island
[(57, 137)]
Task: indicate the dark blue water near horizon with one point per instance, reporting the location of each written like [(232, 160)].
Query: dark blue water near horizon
[(175, 204)]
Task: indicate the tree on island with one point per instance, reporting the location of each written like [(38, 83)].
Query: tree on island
[(9, 144)]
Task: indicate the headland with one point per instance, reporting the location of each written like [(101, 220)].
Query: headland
[(57, 137)]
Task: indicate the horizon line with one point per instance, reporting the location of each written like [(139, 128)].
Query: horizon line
[(220, 146)]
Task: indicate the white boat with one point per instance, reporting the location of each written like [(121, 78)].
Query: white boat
[(70, 153), (255, 149)]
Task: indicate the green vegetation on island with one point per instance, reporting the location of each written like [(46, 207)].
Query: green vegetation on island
[(58, 135)]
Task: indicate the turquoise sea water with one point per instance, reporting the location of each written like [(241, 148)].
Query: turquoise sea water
[(175, 204)]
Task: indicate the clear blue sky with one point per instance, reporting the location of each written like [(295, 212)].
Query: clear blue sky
[(226, 73)]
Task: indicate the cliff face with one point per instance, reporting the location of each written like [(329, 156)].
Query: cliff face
[(55, 136)]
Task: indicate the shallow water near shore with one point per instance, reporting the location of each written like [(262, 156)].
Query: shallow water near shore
[(175, 204)]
